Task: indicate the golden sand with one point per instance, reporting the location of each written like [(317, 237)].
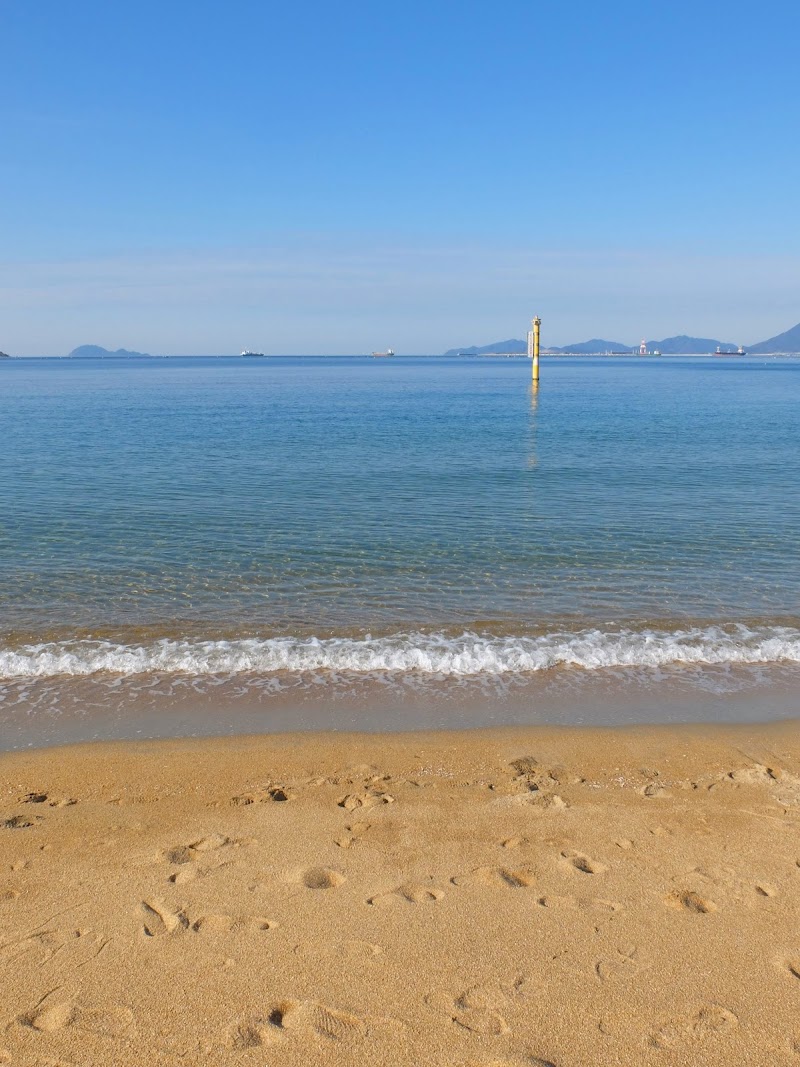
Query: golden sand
[(480, 899)]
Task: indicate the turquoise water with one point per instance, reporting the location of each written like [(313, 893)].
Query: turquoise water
[(257, 520)]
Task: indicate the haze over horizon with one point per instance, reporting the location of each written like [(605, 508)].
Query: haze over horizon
[(179, 180)]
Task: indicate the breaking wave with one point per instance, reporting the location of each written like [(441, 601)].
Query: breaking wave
[(428, 654)]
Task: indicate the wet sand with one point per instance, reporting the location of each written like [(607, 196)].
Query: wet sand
[(475, 899), (73, 710)]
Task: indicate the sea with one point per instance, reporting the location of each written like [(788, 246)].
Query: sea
[(195, 546)]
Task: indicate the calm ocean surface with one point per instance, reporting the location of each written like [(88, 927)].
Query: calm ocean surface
[(188, 534)]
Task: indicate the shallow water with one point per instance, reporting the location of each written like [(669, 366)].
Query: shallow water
[(251, 524)]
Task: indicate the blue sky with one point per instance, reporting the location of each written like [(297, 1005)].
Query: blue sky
[(199, 177)]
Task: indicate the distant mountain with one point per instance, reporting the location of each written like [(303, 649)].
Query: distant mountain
[(596, 345), (784, 342), (680, 345), (502, 347), (4, 355), (96, 352), (685, 346), (672, 346)]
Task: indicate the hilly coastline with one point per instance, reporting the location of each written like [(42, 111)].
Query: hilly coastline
[(783, 342), (680, 344)]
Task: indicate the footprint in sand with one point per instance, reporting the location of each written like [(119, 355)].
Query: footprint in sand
[(514, 842), (277, 794), (517, 878), (46, 798), (180, 854), (531, 775), (712, 1020), (479, 1021), (106, 1022), (548, 802), (160, 919), (552, 900), (210, 843), (19, 822), (354, 832), (525, 766), (184, 855), (692, 902), (307, 1018), (50, 1018), (623, 965), (758, 774), (252, 1032), (410, 893), (321, 878), (522, 1061), (185, 874), (213, 924), (477, 1009), (368, 799), (584, 864), (223, 924)]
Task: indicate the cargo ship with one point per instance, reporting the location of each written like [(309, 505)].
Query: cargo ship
[(383, 355), (252, 355)]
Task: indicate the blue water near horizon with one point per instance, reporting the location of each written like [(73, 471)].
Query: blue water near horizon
[(223, 516)]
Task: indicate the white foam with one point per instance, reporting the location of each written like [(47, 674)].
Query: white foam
[(436, 654)]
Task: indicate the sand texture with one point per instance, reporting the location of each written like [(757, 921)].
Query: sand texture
[(482, 899)]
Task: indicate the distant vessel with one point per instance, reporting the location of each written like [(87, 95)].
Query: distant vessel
[(739, 352), (383, 355), (247, 352)]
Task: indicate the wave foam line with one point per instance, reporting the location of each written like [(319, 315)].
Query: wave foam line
[(411, 653)]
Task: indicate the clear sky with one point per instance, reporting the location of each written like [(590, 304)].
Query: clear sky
[(198, 177)]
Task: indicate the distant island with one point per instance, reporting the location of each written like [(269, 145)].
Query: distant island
[(512, 347), (681, 344), (96, 352), (595, 346), (4, 355)]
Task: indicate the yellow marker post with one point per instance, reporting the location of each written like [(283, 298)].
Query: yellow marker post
[(535, 353)]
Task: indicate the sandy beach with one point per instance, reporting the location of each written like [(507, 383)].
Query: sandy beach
[(474, 899)]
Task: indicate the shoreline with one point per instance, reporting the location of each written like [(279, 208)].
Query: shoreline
[(90, 711), (504, 897)]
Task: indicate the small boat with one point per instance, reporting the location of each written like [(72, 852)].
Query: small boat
[(252, 355), (383, 355)]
